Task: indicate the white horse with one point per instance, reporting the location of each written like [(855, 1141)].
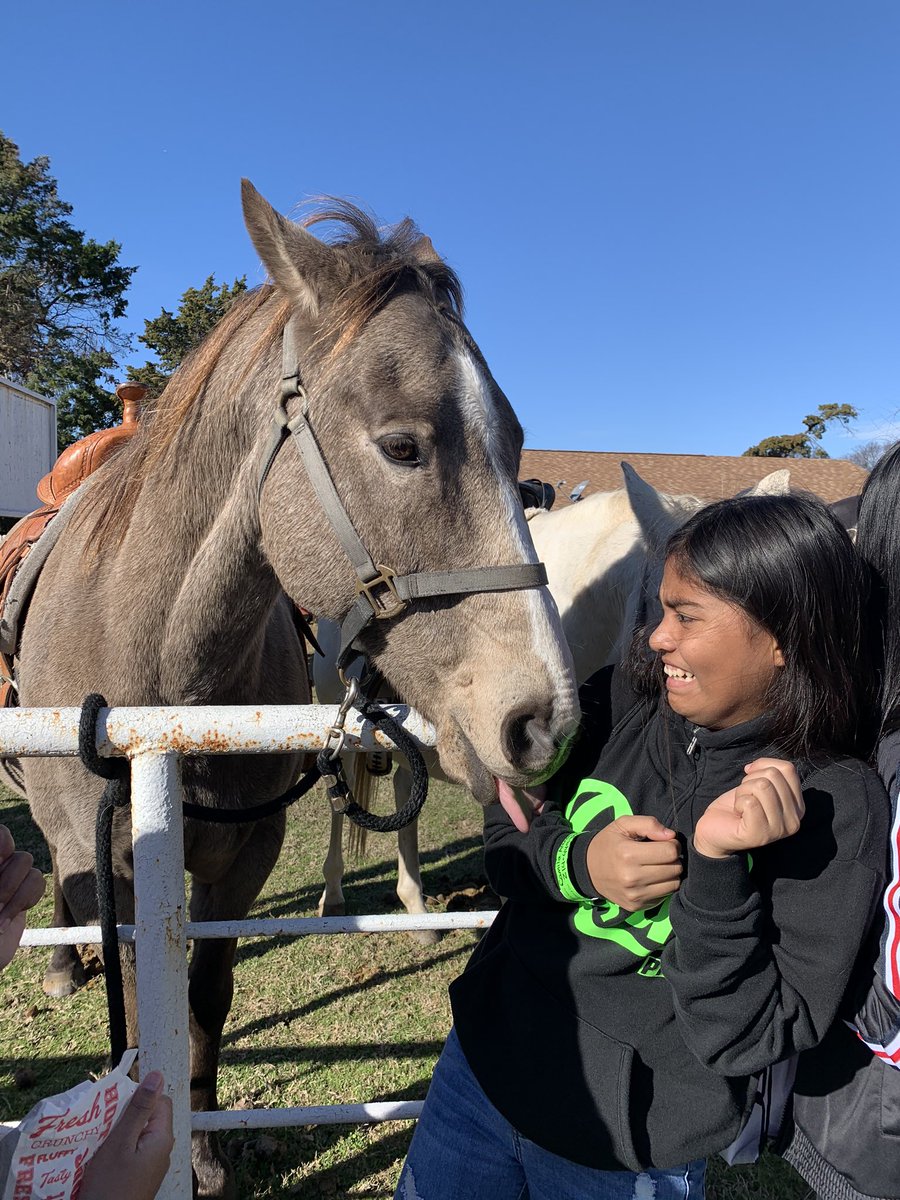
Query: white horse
[(597, 554)]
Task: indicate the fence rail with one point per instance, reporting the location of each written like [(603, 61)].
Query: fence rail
[(155, 739)]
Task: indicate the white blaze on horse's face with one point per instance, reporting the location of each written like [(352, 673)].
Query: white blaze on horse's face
[(496, 707), (542, 611)]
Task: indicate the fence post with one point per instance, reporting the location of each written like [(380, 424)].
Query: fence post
[(158, 834)]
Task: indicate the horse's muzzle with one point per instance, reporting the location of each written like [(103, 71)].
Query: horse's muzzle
[(531, 740)]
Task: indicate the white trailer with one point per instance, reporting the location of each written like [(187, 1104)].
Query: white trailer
[(27, 446)]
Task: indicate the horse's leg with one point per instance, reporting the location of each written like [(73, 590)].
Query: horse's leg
[(409, 879), (332, 902), (65, 973), (211, 987), (210, 991)]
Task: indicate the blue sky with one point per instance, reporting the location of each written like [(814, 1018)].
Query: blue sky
[(677, 222)]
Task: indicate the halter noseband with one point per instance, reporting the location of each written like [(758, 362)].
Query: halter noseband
[(382, 593)]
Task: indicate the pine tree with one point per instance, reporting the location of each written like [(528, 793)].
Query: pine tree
[(172, 336), (804, 445), (61, 295)]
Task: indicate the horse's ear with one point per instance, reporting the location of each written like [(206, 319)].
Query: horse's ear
[(424, 252), (643, 497), (776, 483), (654, 519), (299, 264)]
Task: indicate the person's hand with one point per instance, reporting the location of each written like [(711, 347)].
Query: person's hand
[(765, 807), (133, 1160), (634, 862), (21, 886)]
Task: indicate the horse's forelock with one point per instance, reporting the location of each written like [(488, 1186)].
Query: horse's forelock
[(376, 263)]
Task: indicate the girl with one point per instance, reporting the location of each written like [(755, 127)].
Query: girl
[(846, 1140), (690, 899)]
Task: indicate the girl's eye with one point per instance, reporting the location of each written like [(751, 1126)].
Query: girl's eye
[(400, 448), (683, 618)]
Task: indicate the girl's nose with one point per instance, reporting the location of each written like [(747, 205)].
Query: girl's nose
[(660, 639)]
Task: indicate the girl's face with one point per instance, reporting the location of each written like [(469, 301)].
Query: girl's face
[(719, 664)]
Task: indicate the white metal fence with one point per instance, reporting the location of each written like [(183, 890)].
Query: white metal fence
[(155, 739)]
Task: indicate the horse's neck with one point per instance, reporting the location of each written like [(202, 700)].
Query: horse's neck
[(594, 555), (579, 543), (217, 622), (196, 528)]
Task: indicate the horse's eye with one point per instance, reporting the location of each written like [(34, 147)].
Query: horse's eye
[(400, 448)]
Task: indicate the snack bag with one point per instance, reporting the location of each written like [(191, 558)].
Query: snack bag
[(45, 1156)]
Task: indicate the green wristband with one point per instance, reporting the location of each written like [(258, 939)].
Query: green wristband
[(561, 867)]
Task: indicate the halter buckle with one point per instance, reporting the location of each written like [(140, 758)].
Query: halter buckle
[(388, 604)]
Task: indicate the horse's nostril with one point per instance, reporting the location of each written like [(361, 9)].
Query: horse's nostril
[(516, 741), (526, 736)]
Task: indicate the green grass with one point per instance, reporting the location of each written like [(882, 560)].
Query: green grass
[(316, 1020)]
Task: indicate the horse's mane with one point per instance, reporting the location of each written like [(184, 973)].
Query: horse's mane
[(373, 265)]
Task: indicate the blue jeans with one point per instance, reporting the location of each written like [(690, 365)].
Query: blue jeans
[(463, 1149)]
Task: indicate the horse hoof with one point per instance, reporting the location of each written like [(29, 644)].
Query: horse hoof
[(58, 984), (426, 937), (332, 910), (213, 1176)]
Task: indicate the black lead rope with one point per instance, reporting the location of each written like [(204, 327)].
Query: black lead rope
[(117, 794), (238, 816), (336, 784)]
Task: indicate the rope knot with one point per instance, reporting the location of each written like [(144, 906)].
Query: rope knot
[(106, 768)]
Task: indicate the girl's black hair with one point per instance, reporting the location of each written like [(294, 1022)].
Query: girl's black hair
[(878, 541), (791, 567)]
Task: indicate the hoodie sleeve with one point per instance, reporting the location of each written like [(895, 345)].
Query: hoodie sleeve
[(547, 862), (762, 954)]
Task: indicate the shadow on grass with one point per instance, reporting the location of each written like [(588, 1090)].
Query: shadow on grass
[(359, 1167), (321, 1055), (307, 1145), (48, 1075), (465, 863), (273, 1020), (313, 1142)]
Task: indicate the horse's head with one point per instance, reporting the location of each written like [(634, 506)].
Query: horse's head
[(423, 450)]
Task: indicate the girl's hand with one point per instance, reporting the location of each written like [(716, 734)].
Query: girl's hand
[(766, 807), (634, 862), (134, 1158), (21, 886)]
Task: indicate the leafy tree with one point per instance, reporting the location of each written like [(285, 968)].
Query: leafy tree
[(803, 445), (61, 294), (172, 336), (868, 453)]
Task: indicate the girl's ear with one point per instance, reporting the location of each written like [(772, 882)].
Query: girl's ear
[(777, 657)]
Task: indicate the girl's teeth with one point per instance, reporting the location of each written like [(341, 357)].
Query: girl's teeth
[(675, 673)]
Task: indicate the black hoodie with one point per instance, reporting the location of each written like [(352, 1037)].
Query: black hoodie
[(628, 1040)]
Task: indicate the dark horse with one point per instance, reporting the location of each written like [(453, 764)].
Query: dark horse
[(173, 584)]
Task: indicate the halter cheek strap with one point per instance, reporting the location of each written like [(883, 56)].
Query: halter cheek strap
[(382, 593)]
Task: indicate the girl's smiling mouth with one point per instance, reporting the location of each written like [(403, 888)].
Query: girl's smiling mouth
[(676, 675)]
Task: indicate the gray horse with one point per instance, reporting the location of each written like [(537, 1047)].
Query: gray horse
[(173, 583)]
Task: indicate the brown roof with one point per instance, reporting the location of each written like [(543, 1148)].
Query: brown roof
[(709, 476)]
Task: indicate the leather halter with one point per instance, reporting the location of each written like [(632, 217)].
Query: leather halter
[(382, 593)]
